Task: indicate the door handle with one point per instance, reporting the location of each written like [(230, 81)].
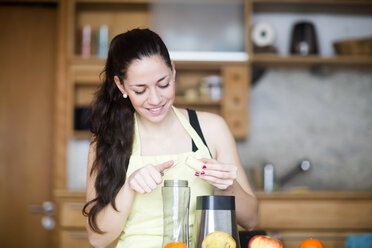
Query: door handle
[(46, 207)]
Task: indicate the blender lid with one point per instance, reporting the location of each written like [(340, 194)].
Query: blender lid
[(215, 202)]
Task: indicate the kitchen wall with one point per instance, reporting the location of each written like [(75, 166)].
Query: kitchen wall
[(297, 114), (324, 116)]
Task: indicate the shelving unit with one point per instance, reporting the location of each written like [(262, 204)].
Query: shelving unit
[(269, 60), (121, 15), (78, 78), (358, 7)]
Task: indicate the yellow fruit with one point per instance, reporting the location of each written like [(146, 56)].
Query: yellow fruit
[(194, 163), (218, 239)]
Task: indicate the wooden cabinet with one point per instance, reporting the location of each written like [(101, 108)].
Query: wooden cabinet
[(327, 216), (71, 222), (83, 71)]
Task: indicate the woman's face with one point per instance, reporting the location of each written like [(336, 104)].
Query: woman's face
[(150, 86)]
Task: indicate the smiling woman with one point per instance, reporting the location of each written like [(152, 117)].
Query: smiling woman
[(138, 134)]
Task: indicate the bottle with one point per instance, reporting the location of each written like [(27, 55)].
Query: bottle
[(268, 178), (176, 200)]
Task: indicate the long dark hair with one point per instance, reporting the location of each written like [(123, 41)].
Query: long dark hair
[(112, 118)]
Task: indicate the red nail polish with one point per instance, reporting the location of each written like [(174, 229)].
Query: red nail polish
[(204, 167), (197, 174), (202, 173)]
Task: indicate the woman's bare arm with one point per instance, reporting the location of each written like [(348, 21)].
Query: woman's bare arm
[(108, 219), (225, 171)]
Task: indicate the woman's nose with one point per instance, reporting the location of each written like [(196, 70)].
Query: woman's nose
[(154, 97)]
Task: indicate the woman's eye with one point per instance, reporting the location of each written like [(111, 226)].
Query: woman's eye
[(139, 92), (164, 86)]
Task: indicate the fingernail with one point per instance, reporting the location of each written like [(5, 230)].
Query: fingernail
[(202, 173), (197, 174), (204, 167)]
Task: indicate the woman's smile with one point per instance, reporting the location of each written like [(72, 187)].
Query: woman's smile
[(156, 110)]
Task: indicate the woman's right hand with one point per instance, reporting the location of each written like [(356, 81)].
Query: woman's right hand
[(146, 179)]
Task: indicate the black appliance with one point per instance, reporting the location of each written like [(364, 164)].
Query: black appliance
[(304, 39)]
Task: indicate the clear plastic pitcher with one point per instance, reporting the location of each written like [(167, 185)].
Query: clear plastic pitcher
[(176, 200)]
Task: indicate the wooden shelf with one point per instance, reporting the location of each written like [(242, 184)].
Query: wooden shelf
[(94, 61), (155, 1), (311, 60), (334, 2), (313, 6), (199, 101), (82, 134)]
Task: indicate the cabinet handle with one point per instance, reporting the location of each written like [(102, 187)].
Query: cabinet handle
[(75, 205), (320, 237), (78, 235)]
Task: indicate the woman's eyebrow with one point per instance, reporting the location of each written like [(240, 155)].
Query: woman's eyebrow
[(142, 85)]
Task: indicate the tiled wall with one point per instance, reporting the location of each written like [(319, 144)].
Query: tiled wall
[(326, 118)]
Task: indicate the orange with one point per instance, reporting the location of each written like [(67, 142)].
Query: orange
[(311, 243), (176, 245)]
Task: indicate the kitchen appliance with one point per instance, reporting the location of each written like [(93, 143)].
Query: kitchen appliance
[(304, 39), (214, 213), (176, 200)]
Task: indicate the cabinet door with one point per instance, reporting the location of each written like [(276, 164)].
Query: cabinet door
[(27, 77), (235, 99)]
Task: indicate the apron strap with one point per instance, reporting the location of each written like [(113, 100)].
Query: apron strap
[(186, 124), (136, 150)]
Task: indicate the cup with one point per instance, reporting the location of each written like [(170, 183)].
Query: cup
[(176, 200)]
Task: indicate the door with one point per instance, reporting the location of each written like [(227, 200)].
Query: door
[(27, 75)]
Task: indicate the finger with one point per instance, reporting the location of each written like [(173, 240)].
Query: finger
[(149, 180), (147, 183), (221, 167), (208, 160), (214, 180), (135, 186), (155, 174), (220, 174), (142, 183), (217, 185), (163, 166)]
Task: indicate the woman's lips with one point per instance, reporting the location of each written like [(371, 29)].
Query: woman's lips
[(156, 110)]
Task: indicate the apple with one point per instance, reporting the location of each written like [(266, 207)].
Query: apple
[(264, 241)]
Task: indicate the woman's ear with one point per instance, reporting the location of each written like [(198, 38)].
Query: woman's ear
[(119, 85), (174, 71)]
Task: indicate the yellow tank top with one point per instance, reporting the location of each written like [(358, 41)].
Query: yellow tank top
[(144, 226)]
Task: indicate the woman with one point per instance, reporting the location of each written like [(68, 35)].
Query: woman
[(138, 135)]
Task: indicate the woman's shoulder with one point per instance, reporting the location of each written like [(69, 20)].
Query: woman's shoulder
[(209, 122), (214, 126)]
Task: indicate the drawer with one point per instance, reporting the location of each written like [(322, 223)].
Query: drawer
[(235, 76), (74, 239), (237, 122), (78, 239), (236, 99), (71, 214), (315, 214), (330, 239)]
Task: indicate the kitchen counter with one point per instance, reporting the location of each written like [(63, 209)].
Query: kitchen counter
[(291, 216), (329, 216)]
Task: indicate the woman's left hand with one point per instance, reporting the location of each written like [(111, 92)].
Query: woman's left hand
[(218, 174)]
